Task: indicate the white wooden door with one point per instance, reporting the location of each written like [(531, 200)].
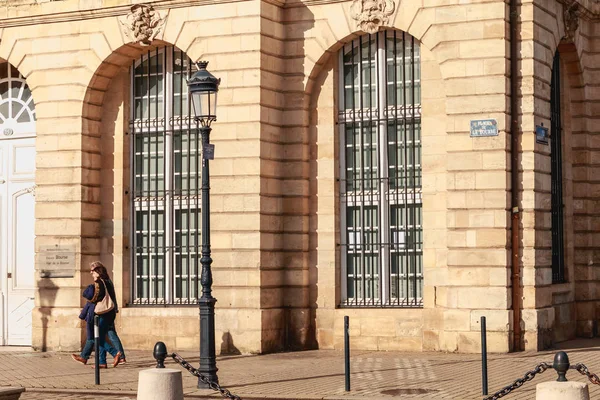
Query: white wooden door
[(17, 188), (17, 213)]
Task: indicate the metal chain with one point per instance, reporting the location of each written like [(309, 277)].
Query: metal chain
[(519, 382), (583, 370), (214, 386)]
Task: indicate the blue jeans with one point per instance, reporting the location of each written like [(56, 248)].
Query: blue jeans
[(104, 324), (89, 347), (114, 339)]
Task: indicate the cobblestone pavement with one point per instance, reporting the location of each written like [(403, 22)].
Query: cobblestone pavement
[(303, 375), (68, 396)]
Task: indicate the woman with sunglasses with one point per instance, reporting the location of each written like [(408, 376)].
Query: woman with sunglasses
[(103, 286)]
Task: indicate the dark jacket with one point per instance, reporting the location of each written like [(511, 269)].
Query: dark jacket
[(87, 313), (100, 292)]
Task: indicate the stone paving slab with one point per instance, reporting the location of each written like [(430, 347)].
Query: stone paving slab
[(303, 375)]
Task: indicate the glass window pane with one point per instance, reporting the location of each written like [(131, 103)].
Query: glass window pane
[(15, 89), (4, 90), (4, 109), (16, 107)]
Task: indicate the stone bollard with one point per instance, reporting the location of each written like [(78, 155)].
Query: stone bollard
[(160, 383), (562, 391)]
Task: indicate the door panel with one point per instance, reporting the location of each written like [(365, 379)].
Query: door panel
[(18, 227), (23, 225)]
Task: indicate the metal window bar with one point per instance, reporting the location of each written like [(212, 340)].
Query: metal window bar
[(380, 171), (558, 262), (165, 176)]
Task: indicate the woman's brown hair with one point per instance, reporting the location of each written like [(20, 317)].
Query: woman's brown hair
[(100, 269)]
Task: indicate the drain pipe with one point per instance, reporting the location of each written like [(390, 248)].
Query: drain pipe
[(514, 177)]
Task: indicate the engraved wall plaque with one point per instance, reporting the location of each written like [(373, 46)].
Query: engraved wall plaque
[(57, 261)]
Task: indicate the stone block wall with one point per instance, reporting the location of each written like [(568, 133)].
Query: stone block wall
[(274, 190), (465, 179)]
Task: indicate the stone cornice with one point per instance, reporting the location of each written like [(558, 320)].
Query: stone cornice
[(587, 9), (104, 12), (42, 17), (76, 14)]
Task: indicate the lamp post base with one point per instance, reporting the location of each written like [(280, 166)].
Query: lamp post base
[(208, 360), (213, 378)]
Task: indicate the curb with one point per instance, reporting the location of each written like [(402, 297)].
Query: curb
[(133, 394)]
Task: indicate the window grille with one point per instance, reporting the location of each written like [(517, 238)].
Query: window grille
[(165, 180), (558, 256), (380, 171)]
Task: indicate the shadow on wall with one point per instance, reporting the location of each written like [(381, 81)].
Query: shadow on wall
[(47, 291), (227, 346), (114, 182), (299, 291)]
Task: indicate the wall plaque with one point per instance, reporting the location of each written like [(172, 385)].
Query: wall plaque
[(57, 261), (541, 134), (208, 152), (484, 127)]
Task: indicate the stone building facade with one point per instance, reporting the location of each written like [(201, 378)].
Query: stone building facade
[(349, 175)]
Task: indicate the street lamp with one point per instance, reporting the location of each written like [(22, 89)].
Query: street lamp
[(203, 88)]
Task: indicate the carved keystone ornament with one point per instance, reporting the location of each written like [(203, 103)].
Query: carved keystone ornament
[(142, 24), (370, 15), (571, 20)]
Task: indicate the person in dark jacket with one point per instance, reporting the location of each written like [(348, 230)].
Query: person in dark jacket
[(87, 314), (103, 286)]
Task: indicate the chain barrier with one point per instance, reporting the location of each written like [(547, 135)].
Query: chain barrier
[(540, 368), (583, 370), (214, 386)]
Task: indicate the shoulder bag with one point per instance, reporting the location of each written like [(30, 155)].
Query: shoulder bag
[(106, 304)]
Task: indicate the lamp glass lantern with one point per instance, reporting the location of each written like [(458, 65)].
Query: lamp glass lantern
[(203, 88)]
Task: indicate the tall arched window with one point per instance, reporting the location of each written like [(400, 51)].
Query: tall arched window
[(558, 246), (165, 180), (380, 171)]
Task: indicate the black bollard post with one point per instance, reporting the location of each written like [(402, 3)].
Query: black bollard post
[(160, 353), (484, 371), (347, 351), (96, 350), (561, 365)]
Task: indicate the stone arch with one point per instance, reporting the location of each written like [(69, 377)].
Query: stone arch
[(334, 34), (555, 314), (319, 106), (566, 318), (106, 176), (577, 98)]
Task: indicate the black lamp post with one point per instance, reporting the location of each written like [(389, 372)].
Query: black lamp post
[(203, 88)]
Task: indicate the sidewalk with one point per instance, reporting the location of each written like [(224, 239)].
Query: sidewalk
[(303, 375)]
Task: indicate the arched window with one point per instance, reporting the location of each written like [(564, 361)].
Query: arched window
[(380, 171), (558, 247), (165, 180), (17, 111)]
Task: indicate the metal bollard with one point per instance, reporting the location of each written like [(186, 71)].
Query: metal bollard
[(484, 371), (160, 353), (96, 350), (561, 365), (347, 351)]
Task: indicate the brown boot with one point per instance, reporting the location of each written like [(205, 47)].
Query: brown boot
[(79, 359), (117, 359)]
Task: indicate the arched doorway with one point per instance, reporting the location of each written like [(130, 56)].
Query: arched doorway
[(17, 206)]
